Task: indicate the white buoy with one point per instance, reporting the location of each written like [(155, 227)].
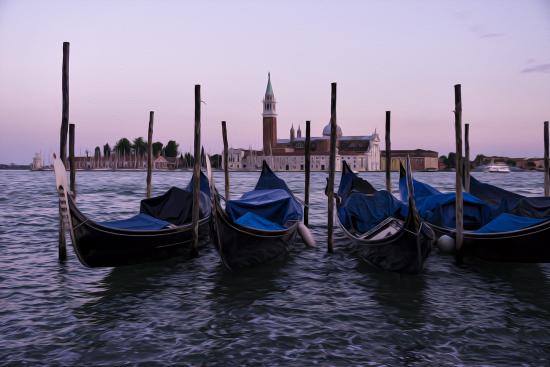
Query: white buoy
[(446, 244), (306, 235)]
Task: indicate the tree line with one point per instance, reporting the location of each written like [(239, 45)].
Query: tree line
[(135, 152), (138, 147), (479, 160)]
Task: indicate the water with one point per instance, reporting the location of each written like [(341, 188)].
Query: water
[(311, 308)]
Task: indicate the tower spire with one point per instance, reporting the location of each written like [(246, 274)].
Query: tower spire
[(269, 99), (269, 89), (269, 118)]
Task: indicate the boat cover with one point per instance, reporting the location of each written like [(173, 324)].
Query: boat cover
[(176, 205), (276, 205), (269, 180), (362, 206), (350, 182), (363, 212), (506, 222), (139, 222), (252, 220), (439, 208), (271, 200), (503, 201)]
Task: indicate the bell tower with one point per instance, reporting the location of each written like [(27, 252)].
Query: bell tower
[(269, 119)]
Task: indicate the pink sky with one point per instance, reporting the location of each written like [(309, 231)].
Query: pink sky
[(130, 57)]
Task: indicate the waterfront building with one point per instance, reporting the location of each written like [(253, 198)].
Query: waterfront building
[(421, 160), (127, 162), (37, 162), (361, 152)]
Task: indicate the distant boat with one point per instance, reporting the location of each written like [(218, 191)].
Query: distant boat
[(497, 168)]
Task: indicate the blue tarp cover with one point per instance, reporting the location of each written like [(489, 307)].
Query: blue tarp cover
[(252, 220), (509, 222), (176, 205), (363, 212), (275, 205), (439, 208), (139, 222), (503, 201)]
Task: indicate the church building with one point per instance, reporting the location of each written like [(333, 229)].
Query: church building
[(362, 153)]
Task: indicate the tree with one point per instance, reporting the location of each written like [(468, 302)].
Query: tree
[(123, 146), (451, 157), (106, 150), (140, 146), (189, 161), (479, 159), (216, 161), (171, 149), (157, 148), (97, 153)]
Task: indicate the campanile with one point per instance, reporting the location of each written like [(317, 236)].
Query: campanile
[(269, 119)]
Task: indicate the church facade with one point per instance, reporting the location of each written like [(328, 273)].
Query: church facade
[(362, 153)]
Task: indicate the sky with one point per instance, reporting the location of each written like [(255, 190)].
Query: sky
[(130, 57)]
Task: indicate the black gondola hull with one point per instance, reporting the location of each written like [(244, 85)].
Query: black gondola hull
[(403, 252), (530, 245), (241, 247), (99, 246)]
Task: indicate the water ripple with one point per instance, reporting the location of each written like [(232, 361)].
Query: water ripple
[(309, 308)]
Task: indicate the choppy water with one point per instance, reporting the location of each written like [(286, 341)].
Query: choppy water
[(312, 308)]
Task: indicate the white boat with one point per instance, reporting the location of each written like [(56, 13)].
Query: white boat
[(498, 167)]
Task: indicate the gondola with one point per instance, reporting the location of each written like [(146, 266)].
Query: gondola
[(259, 227), (161, 230), (516, 229), (385, 232)]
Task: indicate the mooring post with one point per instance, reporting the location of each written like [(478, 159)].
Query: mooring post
[(197, 171), (150, 153), (388, 151), (307, 169), (225, 160), (459, 212), (546, 162), (65, 103), (467, 157), (62, 247), (72, 167), (331, 169)]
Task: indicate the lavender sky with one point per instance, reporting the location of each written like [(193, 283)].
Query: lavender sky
[(129, 57)]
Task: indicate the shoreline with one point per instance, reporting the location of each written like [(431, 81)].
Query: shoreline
[(240, 171)]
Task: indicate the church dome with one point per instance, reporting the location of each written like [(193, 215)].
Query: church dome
[(326, 130)]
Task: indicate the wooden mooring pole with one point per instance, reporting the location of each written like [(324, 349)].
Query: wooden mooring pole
[(388, 151), (65, 103), (72, 166), (331, 169), (467, 157), (150, 153), (307, 169), (225, 159), (459, 212), (196, 171), (546, 163), (62, 247)]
